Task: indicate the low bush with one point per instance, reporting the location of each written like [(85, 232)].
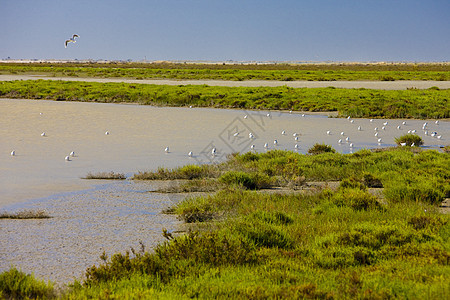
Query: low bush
[(320, 148), (15, 284), (409, 140)]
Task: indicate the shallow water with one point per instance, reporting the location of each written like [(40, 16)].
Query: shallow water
[(138, 136)]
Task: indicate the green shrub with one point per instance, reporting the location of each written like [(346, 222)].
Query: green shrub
[(320, 148), (409, 140), (15, 284), (356, 198), (250, 181)]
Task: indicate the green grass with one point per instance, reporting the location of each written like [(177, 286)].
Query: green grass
[(281, 72), (15, 284), (331, 244), (430, 103)]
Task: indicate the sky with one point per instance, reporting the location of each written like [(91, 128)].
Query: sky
[(237, 30)]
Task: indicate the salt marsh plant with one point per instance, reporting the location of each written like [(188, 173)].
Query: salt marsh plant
[(105, 175), (409, 140), (25, 214)]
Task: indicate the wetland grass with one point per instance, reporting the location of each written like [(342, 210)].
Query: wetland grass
[(25, 214), (105, 175), (331, 244), (358, 103)]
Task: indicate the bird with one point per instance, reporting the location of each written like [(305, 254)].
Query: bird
[(245, 117), (342, 133), (439, 137), (294, 134), (403, 144), (250, 135), (296, 146), (359, 128), (303, 115), (347, 139), (404, 122), (67, 158), (275, 142), (371, 120), (348, 118), (213, 151), (283, 132), (72, 154), (296, 138), (437, 122), (266, 145), (268, 115), (236, 134), (328, 132), (385, 123), (379, 141), (252, 147), (43, 134), (384, 127), (352, 121), (351, 145), (376, 133), (71, 40), (190, 154), (13, 153), (290, 111), (107, 133), (166, 150), (376, 129), (340, 141), (399, 127)]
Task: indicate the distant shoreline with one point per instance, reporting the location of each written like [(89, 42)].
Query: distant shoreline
[(379, 85)]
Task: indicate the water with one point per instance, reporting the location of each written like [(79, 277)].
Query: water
[(138, 136)]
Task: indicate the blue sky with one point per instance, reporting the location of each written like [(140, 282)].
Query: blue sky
[(240, 30)]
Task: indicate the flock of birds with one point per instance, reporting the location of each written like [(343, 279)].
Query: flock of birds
[(343, 137)]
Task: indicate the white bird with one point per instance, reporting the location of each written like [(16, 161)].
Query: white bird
[(72, 154), (295, 134), (351, 145), (347, 139), (268, 115), (290, 111), (433, 134), (190, 106), (437, 122), (41, 113), (413, 131), (71, 40), (166, 150), (404, 122), (379, 141), (213, 151), (252, 147), (275, 142), (340, 141), (107, 133), (190, 154), (296, 138), (439, 137), (13, 153), (352, 121), (303, 115), (403, 144), (342, 133), (67, 158), (236, 134), (399, 127), (384, 127), (283, 132), (385, 123), (266, 145), (250, 135), (348, 118), (245, 117), (376, 129), (296, 146), (426, 132), (43, 134), (376, 133), (359, 128), (412, 145), (328, 132), (371, 120), (409, 131)]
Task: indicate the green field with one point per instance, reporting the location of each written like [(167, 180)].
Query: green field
[(378, 235), (418, 104), (237, 72)]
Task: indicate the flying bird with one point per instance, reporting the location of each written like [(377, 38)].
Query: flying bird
[(71, 40)]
